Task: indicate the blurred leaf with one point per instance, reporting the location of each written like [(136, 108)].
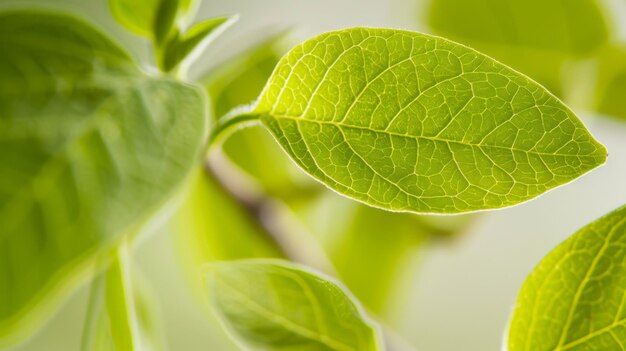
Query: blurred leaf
[(409, 122), (534, 36), (610, 87), (273, 305), (121, 316), (140, 16), (199, 35), (574, 299), (211, 225), (371, 248), (90, 147), (240, 80)]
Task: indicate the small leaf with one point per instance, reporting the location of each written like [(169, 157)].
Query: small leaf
[(119, 316), (536, 37), (211, 225), (410, 122), (165, 20), (196, 39), (575, 299), (140, 16), (273, 305), (90, 148)]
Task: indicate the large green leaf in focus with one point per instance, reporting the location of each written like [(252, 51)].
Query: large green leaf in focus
[(575, 299), (121, 315), (409, 122), (534, 36), (273, 305), (89, 147)]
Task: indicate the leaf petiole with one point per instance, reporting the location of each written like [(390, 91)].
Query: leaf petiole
[(239, 117)]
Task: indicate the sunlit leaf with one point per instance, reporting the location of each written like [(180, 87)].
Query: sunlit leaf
[(409, 122), (575, 298), (533, 36), (140, 16), (90, 147), (272, 305), (121, 316)]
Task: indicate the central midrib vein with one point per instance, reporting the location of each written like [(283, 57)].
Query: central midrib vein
[(350, 126)]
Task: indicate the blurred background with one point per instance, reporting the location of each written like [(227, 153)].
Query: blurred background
[(440, 283)]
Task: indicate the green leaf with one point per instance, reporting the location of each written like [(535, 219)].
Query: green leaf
[(149, 18), (90, 147), (409, 122), (534, 36), (120, 314), (181, 46), (575, 298), (274, 305)]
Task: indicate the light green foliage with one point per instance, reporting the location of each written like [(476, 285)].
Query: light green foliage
[(182, 45), (352, 233), (149, 18), (273, 305), (89, 148), (534, 36), (575, 298), (409, 122), (121, 316)]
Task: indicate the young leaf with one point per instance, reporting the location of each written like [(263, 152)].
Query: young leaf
[(181, 46), (149, 18), (273, 305), (120, 316), (409, 122), (90, 147), (534, 36), (575, 298)]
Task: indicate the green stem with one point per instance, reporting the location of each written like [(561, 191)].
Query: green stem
[(237, 118)]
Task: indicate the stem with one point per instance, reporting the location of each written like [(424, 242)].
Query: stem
[(237, 118), (272, 216)]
